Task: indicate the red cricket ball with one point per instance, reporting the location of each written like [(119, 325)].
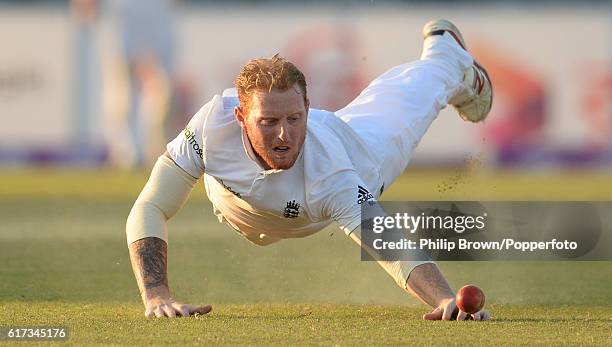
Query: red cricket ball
[(470, 299)]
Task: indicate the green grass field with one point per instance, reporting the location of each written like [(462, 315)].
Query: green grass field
[(64, 262)]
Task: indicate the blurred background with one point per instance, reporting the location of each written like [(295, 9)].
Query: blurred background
[(108, 83), (91, 91)]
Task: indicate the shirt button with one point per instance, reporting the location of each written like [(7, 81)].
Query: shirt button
[(262, 236)]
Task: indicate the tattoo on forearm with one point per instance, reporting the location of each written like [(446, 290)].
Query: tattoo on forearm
[(428, 283), (150, 262)]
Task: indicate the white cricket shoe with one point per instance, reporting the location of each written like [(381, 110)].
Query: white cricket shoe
[(474, 102)]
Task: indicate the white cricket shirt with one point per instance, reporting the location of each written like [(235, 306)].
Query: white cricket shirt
[(335, 172)]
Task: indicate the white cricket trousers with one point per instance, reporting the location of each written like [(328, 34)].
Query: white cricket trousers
[(394, 111)]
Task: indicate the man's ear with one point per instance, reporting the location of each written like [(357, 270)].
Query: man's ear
[(239, 115)]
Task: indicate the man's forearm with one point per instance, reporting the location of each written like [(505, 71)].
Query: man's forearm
[(149, 257), (428, 284), (165, 192)]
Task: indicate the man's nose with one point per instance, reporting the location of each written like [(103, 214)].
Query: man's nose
[(284, 133)]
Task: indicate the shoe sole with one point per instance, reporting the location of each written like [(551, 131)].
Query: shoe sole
[(490, 87)]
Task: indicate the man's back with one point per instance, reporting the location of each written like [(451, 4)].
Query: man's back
[(268, 205)]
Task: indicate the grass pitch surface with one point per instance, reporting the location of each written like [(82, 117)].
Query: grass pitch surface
[(64, 261)]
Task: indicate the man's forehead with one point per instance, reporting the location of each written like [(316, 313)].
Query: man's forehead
[(278, 102)]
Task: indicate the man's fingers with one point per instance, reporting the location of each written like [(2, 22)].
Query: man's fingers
[(173, 309), (462, 315), (433, 315), (158, 312), (200, 309), (169, 311), (182, 309), (449, 310)]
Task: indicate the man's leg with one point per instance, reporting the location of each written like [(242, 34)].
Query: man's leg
[(474, 101), (393, 113)]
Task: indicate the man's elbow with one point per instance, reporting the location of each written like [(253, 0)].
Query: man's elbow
[(145, 220)]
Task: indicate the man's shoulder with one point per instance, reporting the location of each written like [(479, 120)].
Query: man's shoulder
[(218, 113), (327, 130), (229, 98), (324, 150)]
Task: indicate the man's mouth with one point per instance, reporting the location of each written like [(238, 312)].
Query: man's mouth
[(281, 149)]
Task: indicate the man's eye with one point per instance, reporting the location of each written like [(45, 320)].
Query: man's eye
[(266, 121)]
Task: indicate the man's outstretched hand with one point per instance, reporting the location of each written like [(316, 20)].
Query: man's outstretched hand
[(448, 310), (149, 257), (162, 307)]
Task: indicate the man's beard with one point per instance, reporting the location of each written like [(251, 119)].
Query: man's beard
[(267, 158)]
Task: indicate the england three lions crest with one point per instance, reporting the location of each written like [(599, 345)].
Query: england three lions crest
[(292, 210)]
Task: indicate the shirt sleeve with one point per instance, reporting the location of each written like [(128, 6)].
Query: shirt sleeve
[(344, 204), (345, 207), (186, 149)]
